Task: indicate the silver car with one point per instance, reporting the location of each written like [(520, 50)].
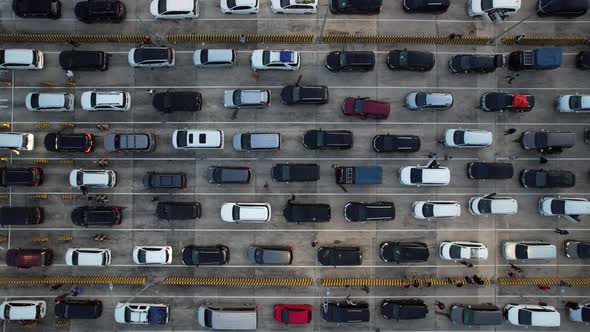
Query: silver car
[(428, 101), (256, 141), (138, 142), (270, 255), (240, 98)]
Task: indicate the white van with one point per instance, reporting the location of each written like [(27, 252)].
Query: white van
[(571, 208), (17, 141), (228, 317), (512, 250), (49, 102), (492, 204)]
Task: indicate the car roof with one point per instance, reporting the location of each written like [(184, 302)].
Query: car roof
[(52, 99), (253, 212), (109, 98), (15, 55), (179, 5), (435, 175)]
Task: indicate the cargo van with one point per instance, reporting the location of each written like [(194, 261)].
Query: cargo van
[(228, 316), (17, 141)]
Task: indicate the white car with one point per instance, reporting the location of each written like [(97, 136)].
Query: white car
[(275, 60), (513, 250), (105, 101), (294, 6), (93, 178), (460, 250), (151, 57), (424, 176), (214, 57), (428, 210), (492, 204), (49, 102), (579, 313), (174, 9), (532, 315), (564, 207), (23, 310), (491, 7), (467, 138), (251, 213), (88, 257), (152, 255), (142, 313), (17, 141), (184, 139), (14, 58), (573, 104), (239, 6), (429, 101)]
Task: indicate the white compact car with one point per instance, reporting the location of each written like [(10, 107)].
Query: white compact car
[(429, 210), (428, 101), (491, 7), (88, 257), (492, 204), (214, 57), (294, 6), (13, 58), (49, 102), (557, 206), (152, 255), (185, 139), (275, 60), (17, 141), (105, 101), (579, 313), (460, 250), (532, 315), (424, 176), (512, 250), (141, 313), (467, 138), (251, 213), (23, 310), (573, 104), (174, 9), (239, 6), (93, 178)]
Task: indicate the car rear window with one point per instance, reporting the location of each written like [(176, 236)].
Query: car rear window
[(521, 251), (459, 137), (558, 206), (455, 251), (428, 210), (525, 317), (485, 206), (416, 175), (35, 100)]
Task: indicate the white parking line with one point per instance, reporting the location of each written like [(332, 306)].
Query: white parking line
[(288, 230), (280, 87)]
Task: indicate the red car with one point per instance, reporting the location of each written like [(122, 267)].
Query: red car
[(293, 313), (27, 258), (365, 108)]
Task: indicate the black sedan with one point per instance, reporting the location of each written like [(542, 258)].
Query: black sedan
[(489, 171), (375, 211), (396, 143), (304, 94), (404, 309), (295, 172), (404, 252), (164, 180), (425, 6), (471, 63), (502, 101), (340, 256), (69, 142), (90, 11), (540, 178), (178, 210), (195, 255), (96, 216), (328, 139), (300, 212), (366, 7), (410, 60)]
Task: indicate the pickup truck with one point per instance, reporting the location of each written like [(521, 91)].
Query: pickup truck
[(181, 101), (362, 175), (537, 59)]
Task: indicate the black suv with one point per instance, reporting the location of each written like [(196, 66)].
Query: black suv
[(300, 212), (96, 216), (396, 143), (425, 6), (178, 101), (19, 215), (32, 176), (346, 311), (304, 94), (178, 210), (164, 180), (69, 142), (37, 8), (224, 174), (295, 172), (366, 7), (491, 171), (195, 255), (471, 63), (410, 60), (328, 139), (335, 256), (350, 61), (583, 60), (564, 8), (540, 178), (404, 309), (84, 60), (78, 309), (404, 251), (374, 211), (91, 11)]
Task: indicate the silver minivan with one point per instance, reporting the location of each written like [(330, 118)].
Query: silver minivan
[(256, 141), (17, 141), (228, 316)]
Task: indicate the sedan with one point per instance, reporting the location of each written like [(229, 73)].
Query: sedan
[(361, 61), (164, 180), (404, 309), (364, 108), (489, 171), (311, 212), (27, 258), (429, 101), (151, 56), (275, 60), (576, 249), (532, 315), (359, 7), (49, 102), (295, 172), (173, 10), (340, 256), (410, 60), (239, 6), (245, 212), (425, 6), (160, 255), (471, 63), (105, 101), (374, 211), (292, 313), (571, 208), (547, 142), (461, 250), (467, 138), (23, 310), (424, 176), (396, 143), (141, 313), (294, 6), (86, 216), (108, 11), (511, 102), (328, 139), (69, 142), (195, 255), (270, 255), (135, 142), (540, 178), (573, 104), (404, 251), (428, 210)]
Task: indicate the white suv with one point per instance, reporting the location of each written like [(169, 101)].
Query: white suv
[(571, 208), (275, 60), (460, 250), (573, 103), (294, 6), (467, 138), (12, 58), (513, 250), (174, 9), (184, 139), (492, 204), (251, 213), (49, 102), (424, 176), (105, 101), (532, 315), (93, 178), (500, 8), (428, 210), (17, 141), (23, 310), (88, 257)]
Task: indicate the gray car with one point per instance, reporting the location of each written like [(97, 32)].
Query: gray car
[(235, 175), (137, 142), (475, 315), (164, 180), (256, 141), (548, 142), (577, 249), (246, 98), (270, 255), (424, 101)]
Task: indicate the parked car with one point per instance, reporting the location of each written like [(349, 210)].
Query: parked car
[(154, 180), (229, 175), (372, 211), (49, 102), (178, 210), (405, 309), (270, 255), (570, 208), (563, 8), (489, 171), (501, 8), (410, 60), (88, 257), (328, 139), (84, 60), (275, 60), (532, 315), (16, 142), (503, 101), (424, 176), (576, 249), (177, 101), (92, 178), (173, 10), (27, 258), (96, 216), (428, 101), (256, 141), (239, 6), (186, 139), (425, 6), (105, 101), (219, 316), (472, 63), (492, 205), (13, 58), (294, 6), (583, 59), (78, 309), (214, 57), (340, 256), (540, 178), (350, 60), (100, 11), (512, 250), (346, 311), (476, 314), (429, 210), (37, 8), (21, 215), (295, 172), (363, 108), (301, 212), (151, 56), (159, 255), (31, 176), (366, 7), (404, 251), (467, 138), (579, 313), (134, 142), (245, 212), (292, 313), (304, 94), (213, 255), (547, 142), (396, 143), (573, 103), (141, 313), (21, 310), (463, 250), (69, 142), (243, 98)]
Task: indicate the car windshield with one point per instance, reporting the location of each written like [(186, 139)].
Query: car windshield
[(162, 6), (428, 210), (583, 250), (296, 93), (459, 137), (485, 206), (259, 256), (468, 316), (416, 175), (320, 138), (231, 3), (235, 212), (576, 102), (285, 316), (487, 4), (128, 315), (558, 206), (358, 106), (540, 139), (541, 179), (525, 317), (455, 251), (35, 100), (237, 97), (521, 251), (285, 3), (265, 57), (181, 138), (421, 99), (141, 255), (208, 318)]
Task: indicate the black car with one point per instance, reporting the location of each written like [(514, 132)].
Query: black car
[(404, 309), (340, 256), (564, 8), (195, 255), (366, 7), (304, 94), (69, 142), (37, 8), (78, 309), (396, 143), (346, 312), (84, 60), (295, 172), (32, 176), (300, 212), (20, 215), (472, 63), (404, 251), (475, 315), (229, 175), (576, 249), (502, 101), (583, 60), (374, 211), (547, 142), (350, 61), (410, 60), (91, 11), (178, 101), (178, 210), (425, 6), (164, 180), (540, 178), (96, 216), (328, 139), (489, 171)]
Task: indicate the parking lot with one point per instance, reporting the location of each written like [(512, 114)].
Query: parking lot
[(141, 227)]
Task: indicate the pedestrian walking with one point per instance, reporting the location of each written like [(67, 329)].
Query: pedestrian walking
[(561, 231), (440, 305), (543, 160), (243, 39), (155, 198), (365, 288), (75, 291), (466, 263), (70, 75), (519, 39), (314, 243), (511, 78), (562, 283), (432, 155), (428, 283), (459, 284), (151, 91), (468, 280), (56, 287), (478, 280), (511, 275), (60, 297), (572, 305), (416, 283), (74, 43), (544, 287), (266, 185), (509, 131), (515, 268)]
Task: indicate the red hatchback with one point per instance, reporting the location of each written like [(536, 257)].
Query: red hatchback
[(293, 313), (365, 108), (27, 258)]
